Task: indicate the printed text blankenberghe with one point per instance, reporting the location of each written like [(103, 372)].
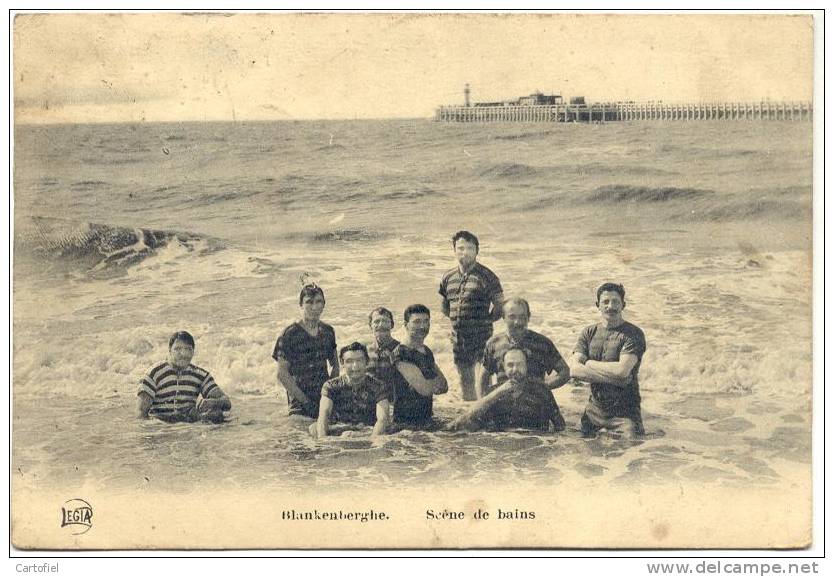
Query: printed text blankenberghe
[(316, 515)]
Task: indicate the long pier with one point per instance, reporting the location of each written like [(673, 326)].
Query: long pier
[(628, 111)]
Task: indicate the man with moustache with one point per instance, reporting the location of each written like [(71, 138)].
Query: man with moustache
[(521, 401), (354, 397), (303, 352), (472, 296), (544, 363), (419, 376), (608, 355), (380, 365)]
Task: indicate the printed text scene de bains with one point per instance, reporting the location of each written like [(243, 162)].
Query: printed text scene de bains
[(480, 514), (431, 514)]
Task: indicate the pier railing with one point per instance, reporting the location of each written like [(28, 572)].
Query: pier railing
[(629, 111)]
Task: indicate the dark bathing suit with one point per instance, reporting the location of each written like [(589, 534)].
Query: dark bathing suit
[(410, 407), (542, 357), (528, 405), (355, 404), (608, 402), (307, 357)]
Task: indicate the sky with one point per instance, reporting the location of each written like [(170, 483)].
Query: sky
[(177, 67)]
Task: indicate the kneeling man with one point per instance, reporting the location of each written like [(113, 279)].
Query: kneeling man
[(607, 355), (520, 402), (354, 396)]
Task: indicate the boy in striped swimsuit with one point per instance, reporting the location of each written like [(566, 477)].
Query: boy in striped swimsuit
[(171, 389)]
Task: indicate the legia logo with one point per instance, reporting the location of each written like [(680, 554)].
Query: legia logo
[(77, 514)]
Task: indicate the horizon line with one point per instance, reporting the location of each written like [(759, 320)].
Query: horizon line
[(226, 120)]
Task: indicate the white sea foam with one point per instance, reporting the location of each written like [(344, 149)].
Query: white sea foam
[(725, 305)]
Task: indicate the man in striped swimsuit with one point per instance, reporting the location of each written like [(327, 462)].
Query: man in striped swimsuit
[(171, 389), (472, 297)]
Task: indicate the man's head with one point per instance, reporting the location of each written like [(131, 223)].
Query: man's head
[(381, 321), (466, 246), (611, 301), (417, 321), (516, 315), (181, 349), (354, 359), (311, 300), (515, 363)]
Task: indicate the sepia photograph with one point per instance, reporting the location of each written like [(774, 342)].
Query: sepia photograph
[(412, 281)]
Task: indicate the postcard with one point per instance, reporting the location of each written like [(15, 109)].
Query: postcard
[(412, 280)]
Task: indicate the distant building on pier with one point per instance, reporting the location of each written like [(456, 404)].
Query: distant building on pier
[(539, 107)]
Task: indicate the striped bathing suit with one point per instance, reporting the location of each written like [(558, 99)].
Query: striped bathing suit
[(175, 391), (469, 297)]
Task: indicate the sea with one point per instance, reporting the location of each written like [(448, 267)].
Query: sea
[(125, 233)]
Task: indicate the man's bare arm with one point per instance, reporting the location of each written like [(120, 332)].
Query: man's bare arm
[(440, 384), (334, 364), (381, 425), (484, 382), (615, 370), (470, 420), (605, 372), (143, 405), (286, 380), (558, 377), (325, 408), (497, 306), (426, 387), (216, 400)]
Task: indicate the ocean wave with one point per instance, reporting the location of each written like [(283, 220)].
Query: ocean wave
[(414, 193), (346, 234), (331, 148), (99, 247), (619, 193), (84, 185), (707, 152), (752, 209), (508, 170), (597, 168), (523, 135), (336, 235)]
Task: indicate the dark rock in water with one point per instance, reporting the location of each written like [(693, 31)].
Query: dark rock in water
[(98, 247)]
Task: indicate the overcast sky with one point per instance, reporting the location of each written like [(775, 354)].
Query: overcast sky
[(171, 67)]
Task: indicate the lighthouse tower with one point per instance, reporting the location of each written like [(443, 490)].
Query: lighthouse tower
[(466, 95)]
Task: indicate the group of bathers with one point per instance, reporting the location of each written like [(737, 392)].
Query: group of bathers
[(390, 384)]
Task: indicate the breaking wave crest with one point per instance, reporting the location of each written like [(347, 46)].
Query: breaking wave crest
[(98, 247)]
